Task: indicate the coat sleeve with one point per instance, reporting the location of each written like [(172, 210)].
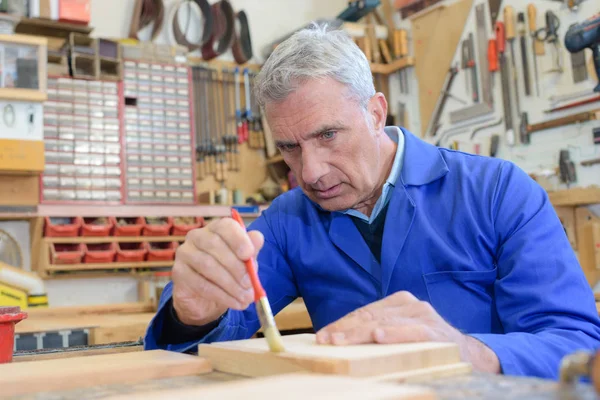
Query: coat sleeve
[(543, 300), (277, 279)]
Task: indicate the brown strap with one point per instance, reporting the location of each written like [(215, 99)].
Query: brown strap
[(146, 12), (207, 15), (223, 30), (242, 44)]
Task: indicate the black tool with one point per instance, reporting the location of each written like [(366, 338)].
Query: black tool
[(586, 34), (524, 60), (596, 134), (567, 168), (508, 120), (439, 106), (494, 145), (549, 34)]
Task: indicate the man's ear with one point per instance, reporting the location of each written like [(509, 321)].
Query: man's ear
[(377, 108)]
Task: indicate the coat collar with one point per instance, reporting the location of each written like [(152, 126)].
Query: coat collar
[(423, 162)]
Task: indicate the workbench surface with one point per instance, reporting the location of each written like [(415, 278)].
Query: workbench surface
[(475, 386)]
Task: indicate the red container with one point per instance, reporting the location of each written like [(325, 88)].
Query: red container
[(131, 252), (161, 251), (9, 316), (158, 229), (66, 253), (54, 229), (133, 228), (89, 228), (181, 229), (99, 253)]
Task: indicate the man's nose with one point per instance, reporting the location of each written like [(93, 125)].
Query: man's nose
[(313, 167)]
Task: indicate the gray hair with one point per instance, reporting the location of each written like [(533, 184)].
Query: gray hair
[(315, 52)]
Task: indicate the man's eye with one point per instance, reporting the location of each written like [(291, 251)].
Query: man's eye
[(287, 147), (328, 135)]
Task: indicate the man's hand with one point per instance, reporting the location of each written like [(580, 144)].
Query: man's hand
[(402, 318), (209, 275)]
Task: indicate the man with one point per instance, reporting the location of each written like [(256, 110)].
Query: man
[(388, 239)]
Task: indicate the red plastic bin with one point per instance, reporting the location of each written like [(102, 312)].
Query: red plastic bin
[(88, 228), (131, 252), (181, 229), (54, 229), (158, 229), (161, 251), (99, 252), (66, 253), (133, 227)]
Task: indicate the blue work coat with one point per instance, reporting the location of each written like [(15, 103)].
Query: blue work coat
[(474, 236)]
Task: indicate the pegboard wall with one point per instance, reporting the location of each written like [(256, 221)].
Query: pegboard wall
[(541, 156)]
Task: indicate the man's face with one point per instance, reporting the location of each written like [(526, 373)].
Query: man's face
[(330, 142)]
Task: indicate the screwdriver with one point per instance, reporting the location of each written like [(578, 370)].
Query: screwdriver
[(508, 121), (509, 29), (537, 46), (263, 308)]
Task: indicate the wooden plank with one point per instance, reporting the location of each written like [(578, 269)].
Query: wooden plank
[(119, 333), (291, 387), (71, 353), (81, 372), (394, 66), (36, 231), (575, 196), (117, 308), (251, 357), (131, 325), (107, 239), (426, 374), (436, 34), (294, 316)]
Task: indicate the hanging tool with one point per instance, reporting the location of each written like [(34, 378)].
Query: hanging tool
[(509, 26), (400, 51), (586, 34), (238, 107), (257, 126), (263, 308), (589, 163), (468, 62), (247, 116), (226, 117), (486, 106), (566, 168), (549, 34), (434, 125), (572, 105), (537, 47), (526, 130), (523, 43), (596, 135), (508, 121), (494, 7)]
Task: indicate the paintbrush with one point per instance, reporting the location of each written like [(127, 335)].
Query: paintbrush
[(263, 308)]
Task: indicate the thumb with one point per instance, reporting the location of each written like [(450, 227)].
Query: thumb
[(401, 334), (258, 240)]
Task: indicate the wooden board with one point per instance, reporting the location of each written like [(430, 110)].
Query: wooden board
[(79, 372), (20, 190), (436, 34), (291, 387), (575, 196), (110, 323), (251, 357)]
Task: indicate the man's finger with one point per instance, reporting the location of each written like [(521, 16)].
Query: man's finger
[(402, 334), (356, 318)]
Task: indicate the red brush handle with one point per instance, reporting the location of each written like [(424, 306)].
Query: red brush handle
[(500, 37), (259, 292)]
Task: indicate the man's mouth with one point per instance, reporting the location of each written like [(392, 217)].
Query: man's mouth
[(328, 193)]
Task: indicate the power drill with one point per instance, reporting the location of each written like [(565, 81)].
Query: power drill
[(586, 34)]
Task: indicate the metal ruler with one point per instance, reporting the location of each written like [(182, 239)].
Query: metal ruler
[(486, 82)]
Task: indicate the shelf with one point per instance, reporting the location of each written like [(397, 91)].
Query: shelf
[(119, 239), (575, 196), (108, 266), (48, 27), (70, 210), (392, 67)]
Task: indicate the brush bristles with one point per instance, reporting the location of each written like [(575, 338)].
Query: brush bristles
[(265, 316), (274, 339)]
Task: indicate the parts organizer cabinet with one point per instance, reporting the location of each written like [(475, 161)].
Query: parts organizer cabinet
[(158, 133), (82, 142)]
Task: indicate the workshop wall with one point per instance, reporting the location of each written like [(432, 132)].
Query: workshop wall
[(111, 18), (541, 156)]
